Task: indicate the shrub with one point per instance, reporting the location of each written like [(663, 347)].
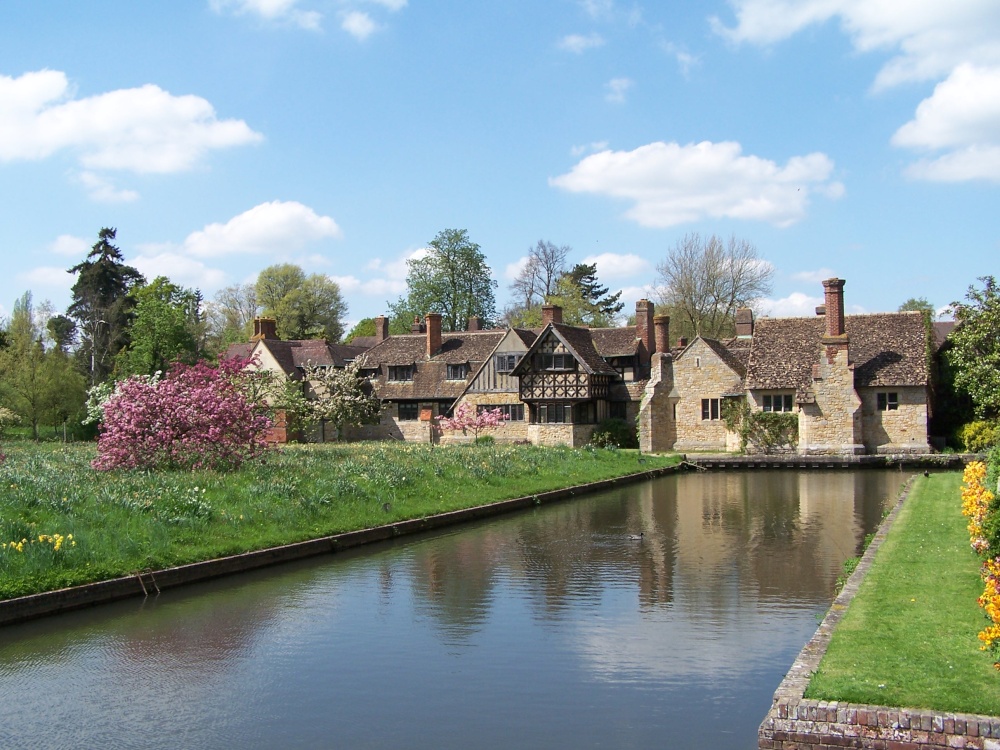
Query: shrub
[(196, 417), (980, 436), (615, 433)]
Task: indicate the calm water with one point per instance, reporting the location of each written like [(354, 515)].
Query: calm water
[(547, 629)]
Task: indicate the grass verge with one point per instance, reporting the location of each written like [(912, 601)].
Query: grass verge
[(117, 523), (908, 638)]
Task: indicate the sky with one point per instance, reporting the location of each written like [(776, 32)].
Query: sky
[(849, 138)]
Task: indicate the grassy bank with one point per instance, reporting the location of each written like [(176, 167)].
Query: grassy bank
[(62, 523), (909, 636)]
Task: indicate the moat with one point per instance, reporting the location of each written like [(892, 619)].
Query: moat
[(544, 629)]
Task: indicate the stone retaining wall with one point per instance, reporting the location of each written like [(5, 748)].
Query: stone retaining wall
[(797, 723), (152, 582)]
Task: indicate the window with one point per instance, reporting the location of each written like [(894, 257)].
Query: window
[(511, 412), (887, 401), (555, 362), (710, 408), (777, 402), (505, 362), (409, 411), (401, 372), (585, 413), (617, 410), (457, 372), (553, 413)]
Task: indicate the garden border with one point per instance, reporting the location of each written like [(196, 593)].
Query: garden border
[(148, 582), (795, 722)]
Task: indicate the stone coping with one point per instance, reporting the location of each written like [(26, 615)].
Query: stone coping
[(936, 461), (146, 583), (805, 724)]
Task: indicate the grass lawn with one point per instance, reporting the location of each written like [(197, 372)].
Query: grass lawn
[(908, 638), (118, 523)]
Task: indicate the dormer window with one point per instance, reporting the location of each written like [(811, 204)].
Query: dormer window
[(401, 373), (458, 372)]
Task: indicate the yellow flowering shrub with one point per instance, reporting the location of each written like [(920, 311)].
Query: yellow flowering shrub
[(976, 502)]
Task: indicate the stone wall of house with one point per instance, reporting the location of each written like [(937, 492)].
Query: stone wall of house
[(507, 432), (902, 430), (573, 435), (832, 424), (657, 430), (700, 374)]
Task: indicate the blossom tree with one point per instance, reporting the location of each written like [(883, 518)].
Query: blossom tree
[(468, 418), (196, 417), (339, 395)]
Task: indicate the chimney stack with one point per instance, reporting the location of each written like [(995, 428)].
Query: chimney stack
[(551, 314), (417, 326), (682, 342), (433, 334), (475, 323), (264, 328), (744, 323), (381, 329), (834, 297), (661, 325), (644, 328)]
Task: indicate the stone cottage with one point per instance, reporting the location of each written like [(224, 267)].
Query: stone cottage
[(857, 383)]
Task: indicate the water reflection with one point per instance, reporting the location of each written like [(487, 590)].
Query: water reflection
[(548, 628)]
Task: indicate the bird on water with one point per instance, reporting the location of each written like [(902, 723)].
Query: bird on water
[(636, 537)]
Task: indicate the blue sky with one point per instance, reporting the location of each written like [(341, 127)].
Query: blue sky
[(856, 138)]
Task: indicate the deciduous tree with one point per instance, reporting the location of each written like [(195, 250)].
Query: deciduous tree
[(161, 331), (470, 419), (452, 279), (304, 307), (704, 282), (340, 396), (974, 355)]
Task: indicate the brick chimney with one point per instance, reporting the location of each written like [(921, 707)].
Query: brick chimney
[(417, 326), (475, 323), (381, 328), (744, 323), (551, 314), (834, 297), (264, 328), (682, 342), (644, 328), (433, 334), (661, 325)]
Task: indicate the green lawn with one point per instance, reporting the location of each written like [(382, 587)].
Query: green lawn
[(123, 522), (908, 638)]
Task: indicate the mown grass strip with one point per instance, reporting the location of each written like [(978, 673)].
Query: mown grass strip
[(124, 522), (908, 638)]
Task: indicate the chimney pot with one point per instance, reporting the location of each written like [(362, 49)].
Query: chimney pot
[(417, 326), (264, 328), (551, 314), (834, 298), (661, 324), (644, 329)]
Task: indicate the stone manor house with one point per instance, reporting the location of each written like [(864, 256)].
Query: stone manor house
[(857, 383)]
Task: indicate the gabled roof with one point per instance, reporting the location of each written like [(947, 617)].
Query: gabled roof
[(615, 342), (887, 349), (579, 343), (292, 356)]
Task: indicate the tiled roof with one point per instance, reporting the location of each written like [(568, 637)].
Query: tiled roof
[(886, 349), (581, 342), (615, 342), (732, 357), (942, 330), (293, 355), (239, 351)]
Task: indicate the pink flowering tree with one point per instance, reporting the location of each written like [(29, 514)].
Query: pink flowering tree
[(469, 419), (196, 417)]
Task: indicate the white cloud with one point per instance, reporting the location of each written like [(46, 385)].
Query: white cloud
[(670, 184), (956, 41), (104, 191), (277, 228), (179, 268), (617, 88), (795, 305), (578, 44), (55, 277), (371, 287), (618, 265), (144, 129), (358, 24), (392, 5), (274, 11), (814, 277), (513, 270), (588, 148), (598, 9), (70, 246), (963, 114)]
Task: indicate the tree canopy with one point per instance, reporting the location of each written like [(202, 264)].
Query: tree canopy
[(452, 279), (703, 282), (305, 307), (918, 304), (974, 355), (162, 330)]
